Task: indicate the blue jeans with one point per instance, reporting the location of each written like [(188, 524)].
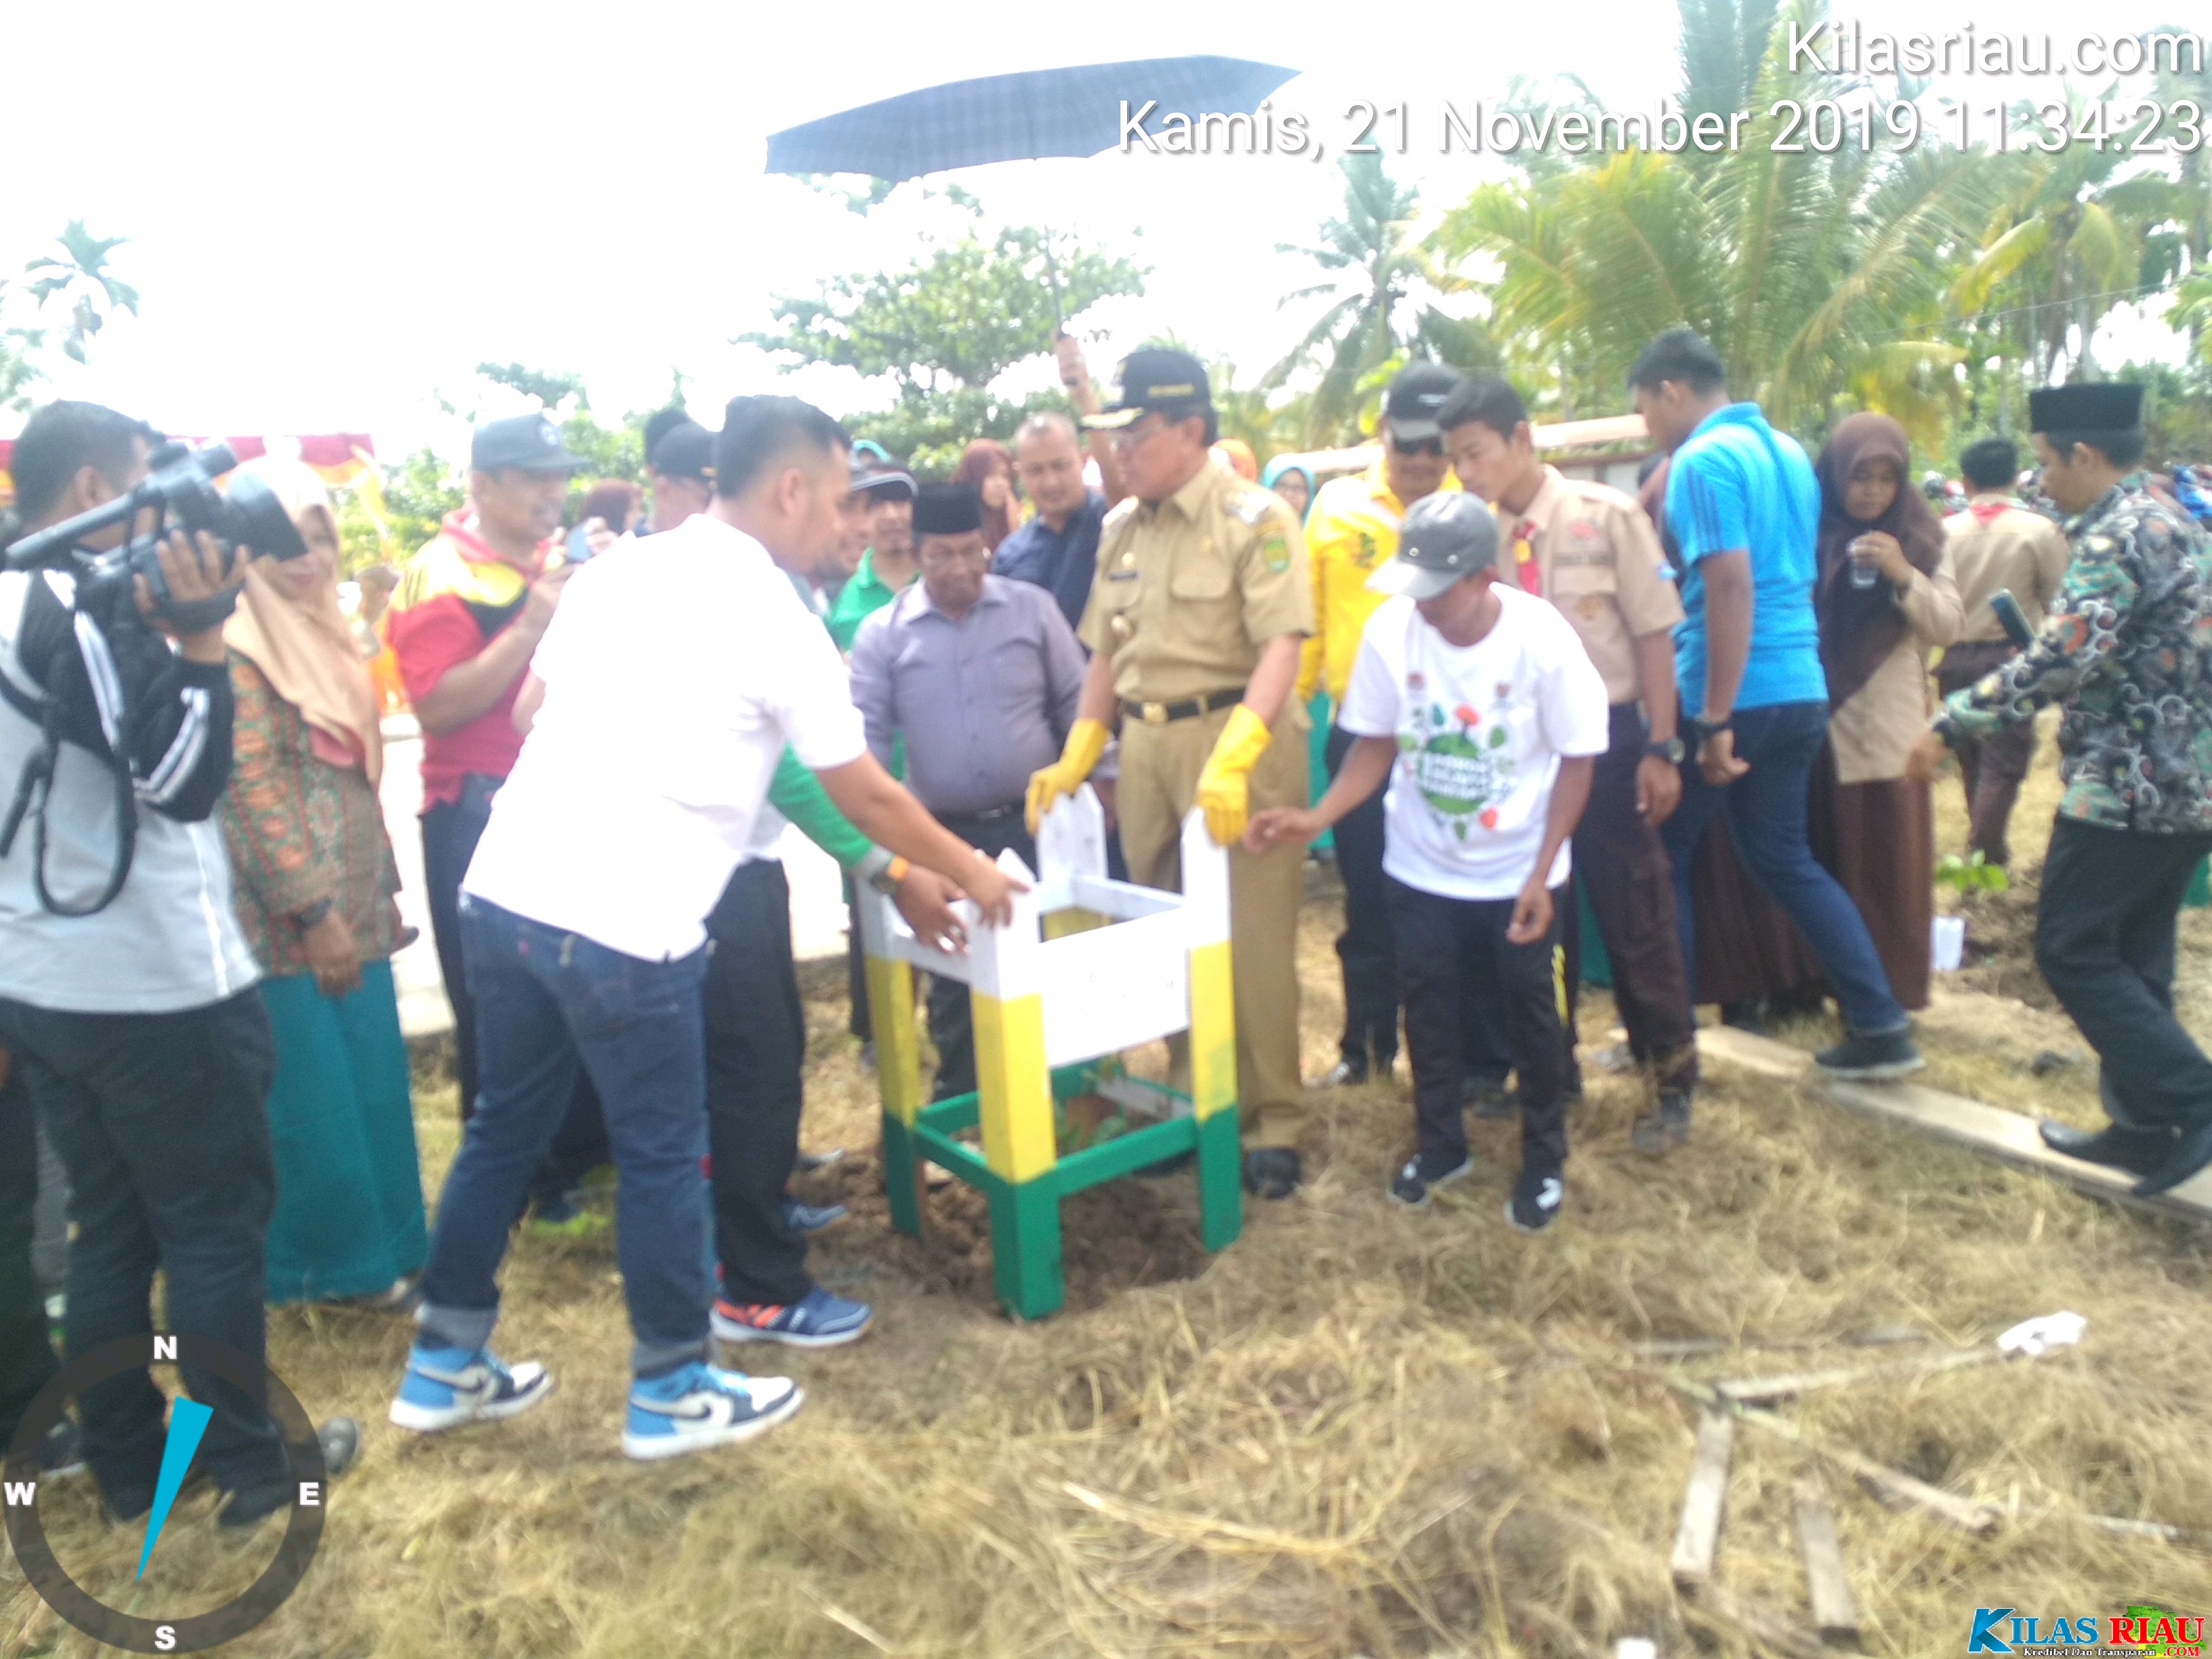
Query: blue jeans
[(548, 1002), (1765, 810)]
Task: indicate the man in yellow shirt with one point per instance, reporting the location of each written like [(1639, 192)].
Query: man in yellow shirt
[(1352, 532)]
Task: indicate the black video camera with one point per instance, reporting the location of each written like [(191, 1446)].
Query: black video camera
[(180, 493)]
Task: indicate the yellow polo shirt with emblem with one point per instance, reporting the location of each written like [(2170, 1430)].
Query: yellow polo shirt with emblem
[(1190, 589), (1598, 559), (1353, 529)]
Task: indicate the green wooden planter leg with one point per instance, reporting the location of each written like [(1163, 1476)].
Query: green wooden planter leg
[(1220, 1180), (901, 1175), (1025, 1247)]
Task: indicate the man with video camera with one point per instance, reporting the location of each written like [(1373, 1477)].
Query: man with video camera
[(127, 988)]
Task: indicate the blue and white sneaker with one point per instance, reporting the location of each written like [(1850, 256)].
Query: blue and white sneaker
[(445, 1387), (804, 1217), (823, 1320), (698, 1405)]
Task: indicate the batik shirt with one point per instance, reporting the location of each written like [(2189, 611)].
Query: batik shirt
[(2127, 652)]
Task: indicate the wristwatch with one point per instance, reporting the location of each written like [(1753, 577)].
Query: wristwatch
[(1702, 728), (310, 918), (883, 870), (1673, 750)]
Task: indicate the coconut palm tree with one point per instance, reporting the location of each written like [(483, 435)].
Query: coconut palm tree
[(1380, 272), (2068, 241), (81, 279), (1820, 279)]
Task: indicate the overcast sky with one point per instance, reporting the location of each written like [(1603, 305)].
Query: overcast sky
[(337, 211)]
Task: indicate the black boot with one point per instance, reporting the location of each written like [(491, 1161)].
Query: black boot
[(2138, 1151), (1658, 1133)]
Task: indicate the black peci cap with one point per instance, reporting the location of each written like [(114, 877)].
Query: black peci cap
[(2097, 406), (1155, 377), (529, 443), (948, 509)]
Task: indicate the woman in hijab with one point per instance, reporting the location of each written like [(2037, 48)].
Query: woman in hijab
[(1886, 596), (989, 465), (315, 881), (1292, 482)]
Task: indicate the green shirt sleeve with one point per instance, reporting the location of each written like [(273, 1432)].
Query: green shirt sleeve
[(799, 795)]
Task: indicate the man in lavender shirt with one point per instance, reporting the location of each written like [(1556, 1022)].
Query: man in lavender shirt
[(980, 675)]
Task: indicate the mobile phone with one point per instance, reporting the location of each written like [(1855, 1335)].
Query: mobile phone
[(2010, 618)]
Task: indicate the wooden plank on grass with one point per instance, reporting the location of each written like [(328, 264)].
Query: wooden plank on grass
[(1827, 1583), (1759, 1390), (1893, 1486), (2007, 1137), (1698, 1538)]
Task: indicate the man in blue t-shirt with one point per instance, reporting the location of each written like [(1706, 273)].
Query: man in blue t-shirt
[(1742, 508)]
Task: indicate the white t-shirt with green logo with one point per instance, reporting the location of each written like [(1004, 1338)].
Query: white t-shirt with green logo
[(1481, 731)]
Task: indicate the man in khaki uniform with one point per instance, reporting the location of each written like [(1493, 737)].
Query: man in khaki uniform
[(1595, 555), (1195, 620), (1995, 544)]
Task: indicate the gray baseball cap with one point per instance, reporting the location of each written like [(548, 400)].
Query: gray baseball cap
[(1445, 537)]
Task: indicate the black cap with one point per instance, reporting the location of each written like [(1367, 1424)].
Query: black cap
[(948, 509), (1444, 538), (530, 443), (1155, 377), (1417, 393), (2098, 406), (685, 451)]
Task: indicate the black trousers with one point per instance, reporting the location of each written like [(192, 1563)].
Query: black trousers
[(1364, 948), (1453, 953), (162, 1122), (756, 1028), (1621, 863), (27, 1358), (450, 830), (2104, 941), (951, 1026)]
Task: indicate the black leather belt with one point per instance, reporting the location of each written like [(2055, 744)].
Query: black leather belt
[(1159, 713), (989, 815)]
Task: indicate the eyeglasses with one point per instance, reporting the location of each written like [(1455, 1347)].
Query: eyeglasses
[(1129, 437), (1433, 447)]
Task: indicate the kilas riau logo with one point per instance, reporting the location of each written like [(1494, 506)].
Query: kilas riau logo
[(1452, 756)]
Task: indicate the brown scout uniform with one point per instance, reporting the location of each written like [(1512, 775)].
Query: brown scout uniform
[(1188, 592), (1598, 560)]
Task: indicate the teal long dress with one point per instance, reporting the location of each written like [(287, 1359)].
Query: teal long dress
[(349, 1214)]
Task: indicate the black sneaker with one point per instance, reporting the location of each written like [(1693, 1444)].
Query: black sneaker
[(1658, 1133), (1346, 1073), (340, 1439), (1874, 1058), (1489, 1099), (1535, 1204), (1424, 1173)]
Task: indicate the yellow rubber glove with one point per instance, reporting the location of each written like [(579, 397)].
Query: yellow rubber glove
[(1087, 741), (1224, 789)]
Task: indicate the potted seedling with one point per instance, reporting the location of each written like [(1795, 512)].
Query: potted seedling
[(1972, 874)]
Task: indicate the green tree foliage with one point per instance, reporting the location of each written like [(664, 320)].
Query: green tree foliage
[(944, 327), (1820, 279), (80, 283), (2068, 241), (1376, 268)]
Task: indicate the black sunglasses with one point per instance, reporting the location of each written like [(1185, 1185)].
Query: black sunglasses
[(1431, 446)]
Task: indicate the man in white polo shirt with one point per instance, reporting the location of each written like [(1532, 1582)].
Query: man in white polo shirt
[(656, 705)]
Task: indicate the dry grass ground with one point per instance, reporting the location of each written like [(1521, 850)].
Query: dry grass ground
[(1360, 1431)]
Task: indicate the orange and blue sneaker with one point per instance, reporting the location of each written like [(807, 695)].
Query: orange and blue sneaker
[(821, 1319)]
